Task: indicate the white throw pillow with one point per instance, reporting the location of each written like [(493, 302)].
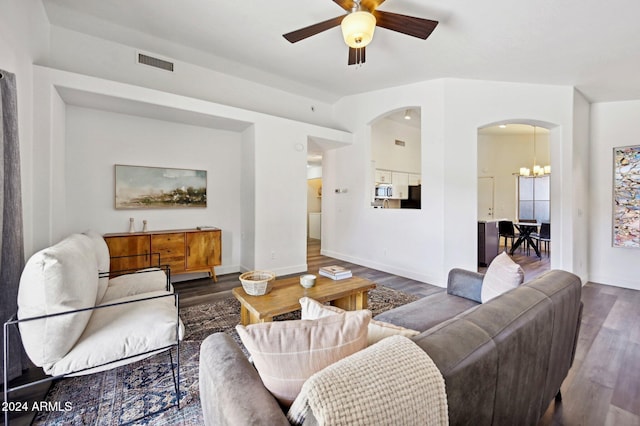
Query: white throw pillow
[(376, 331), (287, 353), (502, 275)]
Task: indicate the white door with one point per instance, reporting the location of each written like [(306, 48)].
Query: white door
[(485, 198)]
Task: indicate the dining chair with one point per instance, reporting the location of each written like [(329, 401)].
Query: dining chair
[(506, 230), (544, 236)]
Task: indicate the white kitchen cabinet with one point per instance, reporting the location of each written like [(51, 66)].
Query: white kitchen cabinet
[(383, 176), (415, 179), (400, 181)]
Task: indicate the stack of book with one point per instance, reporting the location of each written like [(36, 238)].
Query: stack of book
[(335, 272)]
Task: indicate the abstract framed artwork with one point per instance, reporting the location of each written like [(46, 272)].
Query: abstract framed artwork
[(626, 196), (141, 187)]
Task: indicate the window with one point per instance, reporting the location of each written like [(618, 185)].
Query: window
[(534, 198)]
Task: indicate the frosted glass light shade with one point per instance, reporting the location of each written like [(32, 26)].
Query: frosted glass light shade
[(358, 28)]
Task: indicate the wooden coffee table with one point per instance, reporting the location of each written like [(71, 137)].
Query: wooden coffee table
[(349, 294)]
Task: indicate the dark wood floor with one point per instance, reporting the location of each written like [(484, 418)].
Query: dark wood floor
[(603, 386), (195, 292)]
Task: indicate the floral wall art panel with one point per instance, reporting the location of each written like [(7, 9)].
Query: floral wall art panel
[(626, 197), (140, 187)]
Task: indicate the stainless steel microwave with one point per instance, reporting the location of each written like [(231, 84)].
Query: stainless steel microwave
[(384, 191)]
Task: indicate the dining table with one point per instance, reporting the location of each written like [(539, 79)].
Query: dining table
[(526, 229)]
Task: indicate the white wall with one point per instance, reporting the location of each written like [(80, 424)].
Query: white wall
[(389, 156), (85, 54), (269, 164), (281, 197), (407, 242), (425, 244), (248, 201), (580, 188), (97, 140), (613, 124)]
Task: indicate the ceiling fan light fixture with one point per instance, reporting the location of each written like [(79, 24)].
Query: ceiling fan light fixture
[(357, 28)]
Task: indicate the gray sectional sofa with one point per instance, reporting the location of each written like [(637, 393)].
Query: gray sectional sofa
[(502, 361)]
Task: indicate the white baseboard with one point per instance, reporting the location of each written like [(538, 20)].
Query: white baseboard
[(391, 269)]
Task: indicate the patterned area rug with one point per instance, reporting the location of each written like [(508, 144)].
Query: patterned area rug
[(143, 393)]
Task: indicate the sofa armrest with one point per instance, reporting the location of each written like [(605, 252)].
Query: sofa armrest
[(231, 391), (467, 284)]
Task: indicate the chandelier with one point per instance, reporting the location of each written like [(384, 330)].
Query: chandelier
[(536, 169)]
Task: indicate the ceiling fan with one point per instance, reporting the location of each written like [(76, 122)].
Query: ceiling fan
[(359, 24)]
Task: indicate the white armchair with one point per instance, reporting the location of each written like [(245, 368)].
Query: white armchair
[(74, 319)]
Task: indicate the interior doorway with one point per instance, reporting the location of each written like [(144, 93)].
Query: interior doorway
[(509, 153), (314, 195)]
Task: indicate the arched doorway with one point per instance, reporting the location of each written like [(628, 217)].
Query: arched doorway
[(514, 174)]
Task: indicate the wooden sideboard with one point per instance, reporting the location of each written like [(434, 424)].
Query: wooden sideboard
[(184, 250)]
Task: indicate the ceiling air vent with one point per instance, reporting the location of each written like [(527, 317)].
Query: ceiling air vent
[(155, 62), (399, 142)]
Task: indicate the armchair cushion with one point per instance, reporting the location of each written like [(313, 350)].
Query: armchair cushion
[(503, 274), (59, 278), (155, 327), (287, 353), (143, 281)]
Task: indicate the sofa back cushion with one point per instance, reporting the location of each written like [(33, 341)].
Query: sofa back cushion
[(103, 260), (59, 278)]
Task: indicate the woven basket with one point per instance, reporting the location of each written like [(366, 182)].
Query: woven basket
[(257, 283)]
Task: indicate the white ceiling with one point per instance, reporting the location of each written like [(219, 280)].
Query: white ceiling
[(590, 44)]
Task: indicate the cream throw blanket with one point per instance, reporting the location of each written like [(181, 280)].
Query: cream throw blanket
[(390, 382)]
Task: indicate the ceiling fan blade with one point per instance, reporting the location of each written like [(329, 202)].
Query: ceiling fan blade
[(314, 29), (356, 55), (409, 25)]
